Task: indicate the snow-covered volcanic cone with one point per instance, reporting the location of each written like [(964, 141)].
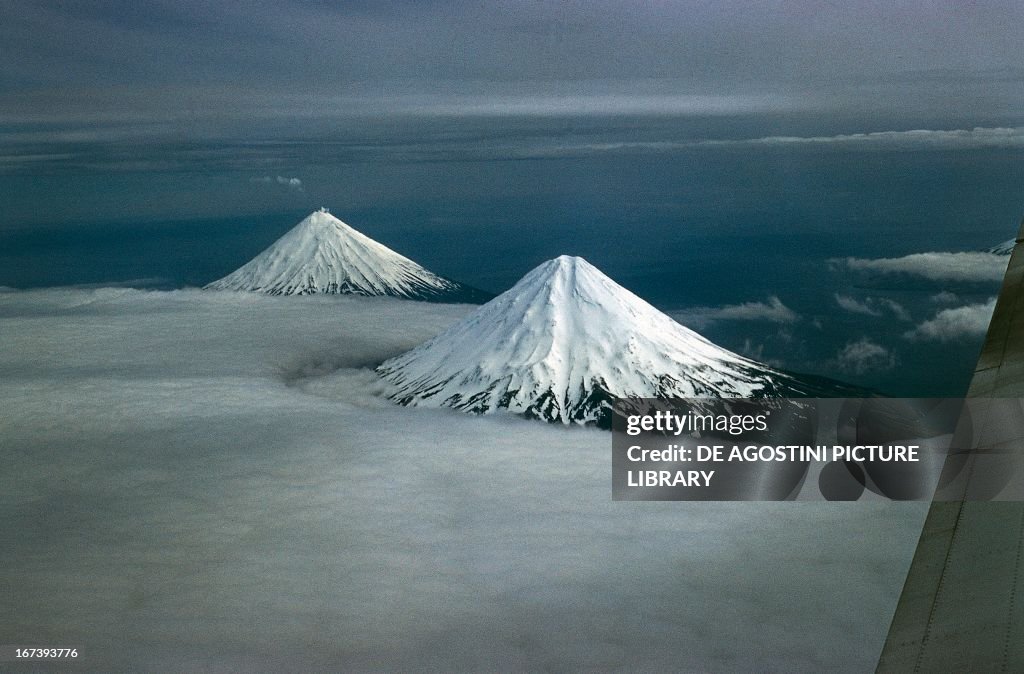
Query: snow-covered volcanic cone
[(322, 254), (564, 342)]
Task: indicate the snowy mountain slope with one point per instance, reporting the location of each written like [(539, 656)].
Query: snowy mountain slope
[(1005, 248), (322, 254), (564, 342)]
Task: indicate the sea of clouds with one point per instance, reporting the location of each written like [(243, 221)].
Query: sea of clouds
[(211, 481)]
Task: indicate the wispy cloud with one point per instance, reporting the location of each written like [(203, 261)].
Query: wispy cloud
[(895, 308), (290, 183), (918, 139), (872, 306), (865, 355), (757, 351), (598, 104), (945, 297), (921, 139), (855, 306), (772, 311), (950, 325), (962, 266)]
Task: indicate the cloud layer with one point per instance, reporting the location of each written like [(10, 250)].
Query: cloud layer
[(212, 479)]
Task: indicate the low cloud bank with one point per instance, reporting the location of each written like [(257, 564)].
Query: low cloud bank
[(211, 478)]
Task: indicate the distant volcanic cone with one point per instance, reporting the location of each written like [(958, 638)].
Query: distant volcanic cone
[(322, 254)]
